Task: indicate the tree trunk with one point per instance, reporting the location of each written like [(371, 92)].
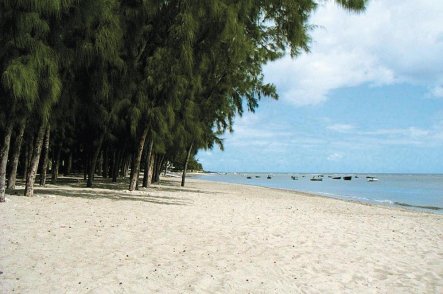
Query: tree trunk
[(85, 166), (4, 152), (28, 146), (125, 168), (127, 165), (45, 156), (148, 164), (114, 167), (186, 165), (157, 168), (165, 170), (154, 168), (105, 163), (135, 171), (69, 164), (32, 171), (56, 164), (16, 155), (94, 161), (99, 166)]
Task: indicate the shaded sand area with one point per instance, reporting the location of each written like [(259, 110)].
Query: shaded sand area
[(212, 237)]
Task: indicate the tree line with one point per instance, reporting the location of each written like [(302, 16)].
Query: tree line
[(116, 87)]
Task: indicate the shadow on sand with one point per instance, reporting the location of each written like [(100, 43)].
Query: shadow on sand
[(114, 191)]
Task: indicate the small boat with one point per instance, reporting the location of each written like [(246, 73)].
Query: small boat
[(257, 177), (269, 177), (336, 178), (316, 179), (372, 179), (294, 178), (249, 177), (347, 178)]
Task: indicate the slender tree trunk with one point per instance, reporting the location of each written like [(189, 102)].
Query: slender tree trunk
[(99, 167), (186, 165), (45, 156), (165, 164), (121, 165), (4, 152), (32, 171), (156, 158), (157, 168), (16, 155), (28, 155), (148, 164), (56, 164), (85, 165), (94, 161), (125, 169), (124, 165), (135, 171), (68, 164), (114, 167), (105, 169)]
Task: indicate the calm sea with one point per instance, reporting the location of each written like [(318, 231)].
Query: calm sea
[(422, 192)]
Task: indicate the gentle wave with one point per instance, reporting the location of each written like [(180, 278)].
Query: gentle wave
[(385, 201)]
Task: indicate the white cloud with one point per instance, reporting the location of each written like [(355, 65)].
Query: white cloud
[(437, 91), (396, 136), (341, 128), (335, 156), (393, 41)]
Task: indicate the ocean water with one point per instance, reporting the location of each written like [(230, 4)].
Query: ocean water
[(413, 191)]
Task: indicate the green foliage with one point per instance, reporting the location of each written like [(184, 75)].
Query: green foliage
[(106, 70)]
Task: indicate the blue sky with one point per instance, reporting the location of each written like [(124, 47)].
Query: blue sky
[(367, 98)]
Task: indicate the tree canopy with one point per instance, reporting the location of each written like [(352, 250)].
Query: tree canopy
[(108, 86)]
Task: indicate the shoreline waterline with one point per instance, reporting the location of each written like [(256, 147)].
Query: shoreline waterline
[(391, 201)]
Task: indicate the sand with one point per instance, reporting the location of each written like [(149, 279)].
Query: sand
[(213, 238)]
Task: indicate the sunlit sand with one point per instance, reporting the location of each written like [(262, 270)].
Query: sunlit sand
[(212, 237)]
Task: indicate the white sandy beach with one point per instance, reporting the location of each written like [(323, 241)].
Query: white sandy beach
[(213, 238)]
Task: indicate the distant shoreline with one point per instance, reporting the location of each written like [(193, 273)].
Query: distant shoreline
[(385, 204)]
